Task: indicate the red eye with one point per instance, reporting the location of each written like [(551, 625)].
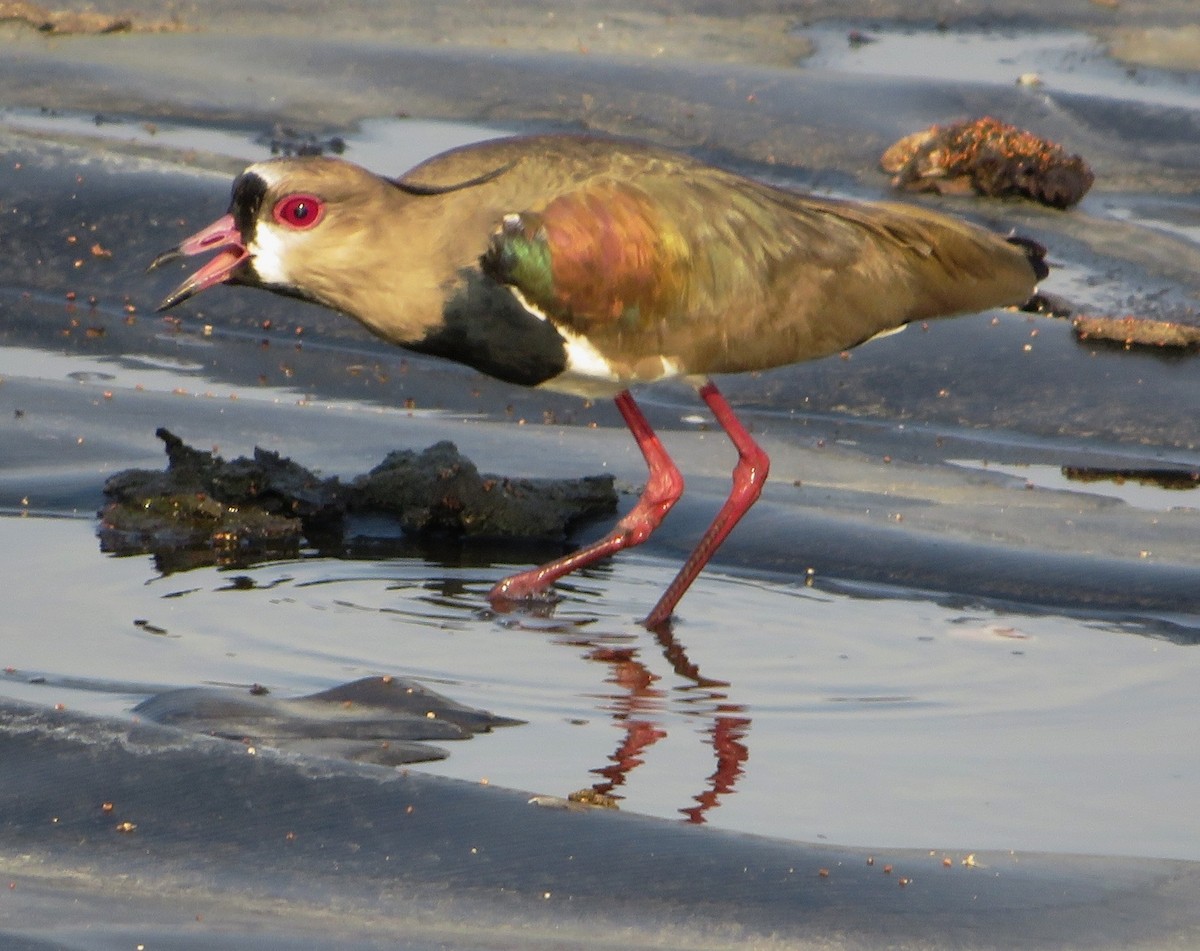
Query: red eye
[(299, 211)]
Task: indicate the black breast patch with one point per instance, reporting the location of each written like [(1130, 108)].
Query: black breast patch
[(486, 327)]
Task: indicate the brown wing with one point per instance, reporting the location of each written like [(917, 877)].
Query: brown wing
[(649, 253)]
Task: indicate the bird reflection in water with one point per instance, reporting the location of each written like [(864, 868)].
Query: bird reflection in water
[(636, 705)]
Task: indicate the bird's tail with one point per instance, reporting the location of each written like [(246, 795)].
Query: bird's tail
[(1035, 252)]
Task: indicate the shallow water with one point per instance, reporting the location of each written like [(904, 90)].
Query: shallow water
[(381, 144), (1157, 498), (936, 724), (1051, 62)]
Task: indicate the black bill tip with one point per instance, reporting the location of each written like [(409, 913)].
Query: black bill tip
[(178, 296), (166, 257)]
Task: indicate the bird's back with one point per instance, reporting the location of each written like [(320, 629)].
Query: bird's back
[(647, 252)]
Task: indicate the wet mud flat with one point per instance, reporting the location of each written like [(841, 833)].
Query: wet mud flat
[(1000, 614), (421, 863)]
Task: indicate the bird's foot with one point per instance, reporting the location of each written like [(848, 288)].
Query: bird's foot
[(658, 621), (529, 590)]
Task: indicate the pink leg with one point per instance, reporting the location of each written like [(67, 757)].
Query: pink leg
[(748, 477), (663, 489)]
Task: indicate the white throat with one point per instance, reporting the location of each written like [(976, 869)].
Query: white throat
[(268, 252)]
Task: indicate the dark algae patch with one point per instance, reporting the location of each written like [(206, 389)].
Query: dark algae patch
[(988, 157), (1132, 332), (85, 22), (204, 510)]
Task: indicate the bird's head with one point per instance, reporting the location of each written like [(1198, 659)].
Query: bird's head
[(290, 221)]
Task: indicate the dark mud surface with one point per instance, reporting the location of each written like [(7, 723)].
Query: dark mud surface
[(960, 626), (421, 863)]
